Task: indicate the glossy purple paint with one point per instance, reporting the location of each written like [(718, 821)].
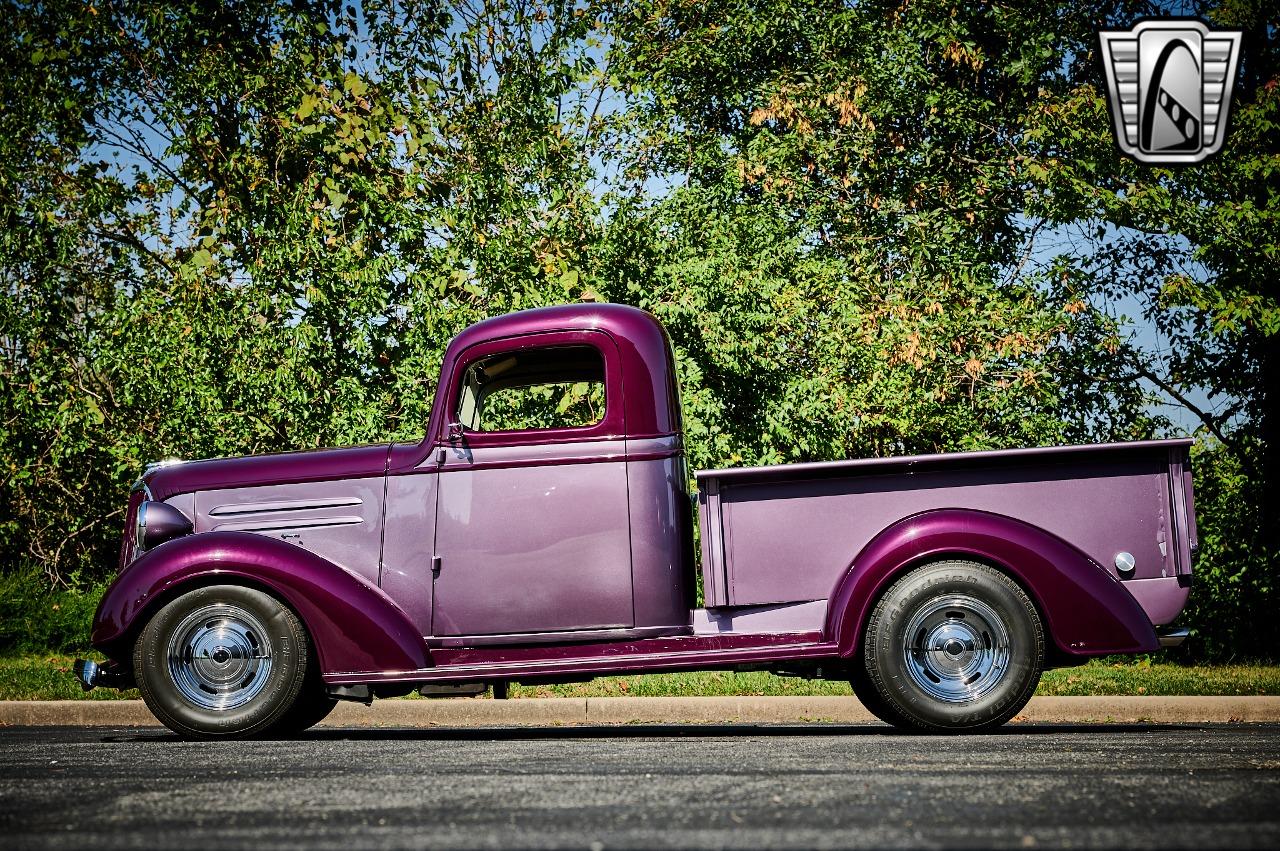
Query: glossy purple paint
[(408, 548), (641, 363), (1103, 499), (315, 465), (160, 521), (1087, 611), (662, 569), (354, 625), (568, 552), (1162, 599), (761, 620), (567, 570), (339, 520), (684, 653)]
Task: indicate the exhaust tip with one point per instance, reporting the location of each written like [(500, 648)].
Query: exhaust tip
[(86, 672)]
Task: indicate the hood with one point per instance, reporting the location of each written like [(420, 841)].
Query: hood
[(247, 471)]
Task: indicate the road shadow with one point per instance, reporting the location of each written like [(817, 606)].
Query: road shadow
[(658, 731)]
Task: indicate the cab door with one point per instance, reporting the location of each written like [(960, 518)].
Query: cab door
[(532, 522)]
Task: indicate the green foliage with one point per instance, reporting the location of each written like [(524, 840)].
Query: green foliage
[(34, 618), (842, 273), (870, 228), (1194, 250), (1232, 596), (559, 405), (228, 230)]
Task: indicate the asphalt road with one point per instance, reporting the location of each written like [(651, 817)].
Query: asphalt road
[(646, 787)]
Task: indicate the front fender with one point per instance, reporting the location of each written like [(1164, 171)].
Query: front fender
[(354, 625), (1086, 610)]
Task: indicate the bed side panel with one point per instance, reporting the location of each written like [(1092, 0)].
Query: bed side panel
[(792, 540)]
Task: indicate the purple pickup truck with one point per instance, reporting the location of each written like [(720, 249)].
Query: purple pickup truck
[(542, 532)]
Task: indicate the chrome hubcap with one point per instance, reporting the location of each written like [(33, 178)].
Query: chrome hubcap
[(220, 657), (956, 648)]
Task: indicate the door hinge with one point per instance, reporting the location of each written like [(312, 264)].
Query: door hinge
[(435, 564)]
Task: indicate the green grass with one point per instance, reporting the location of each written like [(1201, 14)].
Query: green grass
[(47, 676), (721, 683), (688, 685), (1145, 677), (1094, 678)]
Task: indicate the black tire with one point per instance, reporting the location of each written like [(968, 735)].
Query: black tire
[(312, 706), (952, 646), (221, 662), (308, 710), (867, 695)]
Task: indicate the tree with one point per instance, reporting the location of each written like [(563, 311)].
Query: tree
[(847, 265), (254, 226), (1196, 249)]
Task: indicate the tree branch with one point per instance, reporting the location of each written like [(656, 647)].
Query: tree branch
[(1210, 421), (133, 242)]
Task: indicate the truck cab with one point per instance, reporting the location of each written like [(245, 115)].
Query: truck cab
[(569, 415)]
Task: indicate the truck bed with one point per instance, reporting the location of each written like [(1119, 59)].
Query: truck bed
[(789, 533)]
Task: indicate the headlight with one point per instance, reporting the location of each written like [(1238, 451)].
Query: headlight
[(158, 522)]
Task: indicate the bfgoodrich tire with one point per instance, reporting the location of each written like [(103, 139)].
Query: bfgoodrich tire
[(953, 646), (865, 690), (220, 662)]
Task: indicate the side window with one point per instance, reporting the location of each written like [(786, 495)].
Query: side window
[(550, 388)]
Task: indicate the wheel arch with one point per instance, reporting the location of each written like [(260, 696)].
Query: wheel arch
[(958, 555), (1085, 610), (353, 625), (121, 644)]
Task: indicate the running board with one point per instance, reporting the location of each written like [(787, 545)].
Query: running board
[(471, 668)]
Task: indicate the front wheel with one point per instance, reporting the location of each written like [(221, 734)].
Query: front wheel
[(221, 661), (953, 646)]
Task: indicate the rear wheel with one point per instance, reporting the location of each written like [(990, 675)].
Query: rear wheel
[(952, 646), (221, 661), (866, 693)]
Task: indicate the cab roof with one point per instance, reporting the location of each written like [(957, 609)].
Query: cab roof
[(647, 371)]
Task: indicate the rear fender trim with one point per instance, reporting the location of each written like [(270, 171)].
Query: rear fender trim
[(353, 623), (1086, 610)]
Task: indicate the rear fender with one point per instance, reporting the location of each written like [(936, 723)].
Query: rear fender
[(354, 625), (1087, 611)]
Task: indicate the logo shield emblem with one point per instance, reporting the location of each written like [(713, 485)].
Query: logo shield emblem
[(1169, 84)]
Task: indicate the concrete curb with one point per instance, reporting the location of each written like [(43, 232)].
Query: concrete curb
[(542, 712)]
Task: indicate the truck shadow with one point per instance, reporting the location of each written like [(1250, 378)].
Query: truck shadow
[(663, 731), (698, 731)]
